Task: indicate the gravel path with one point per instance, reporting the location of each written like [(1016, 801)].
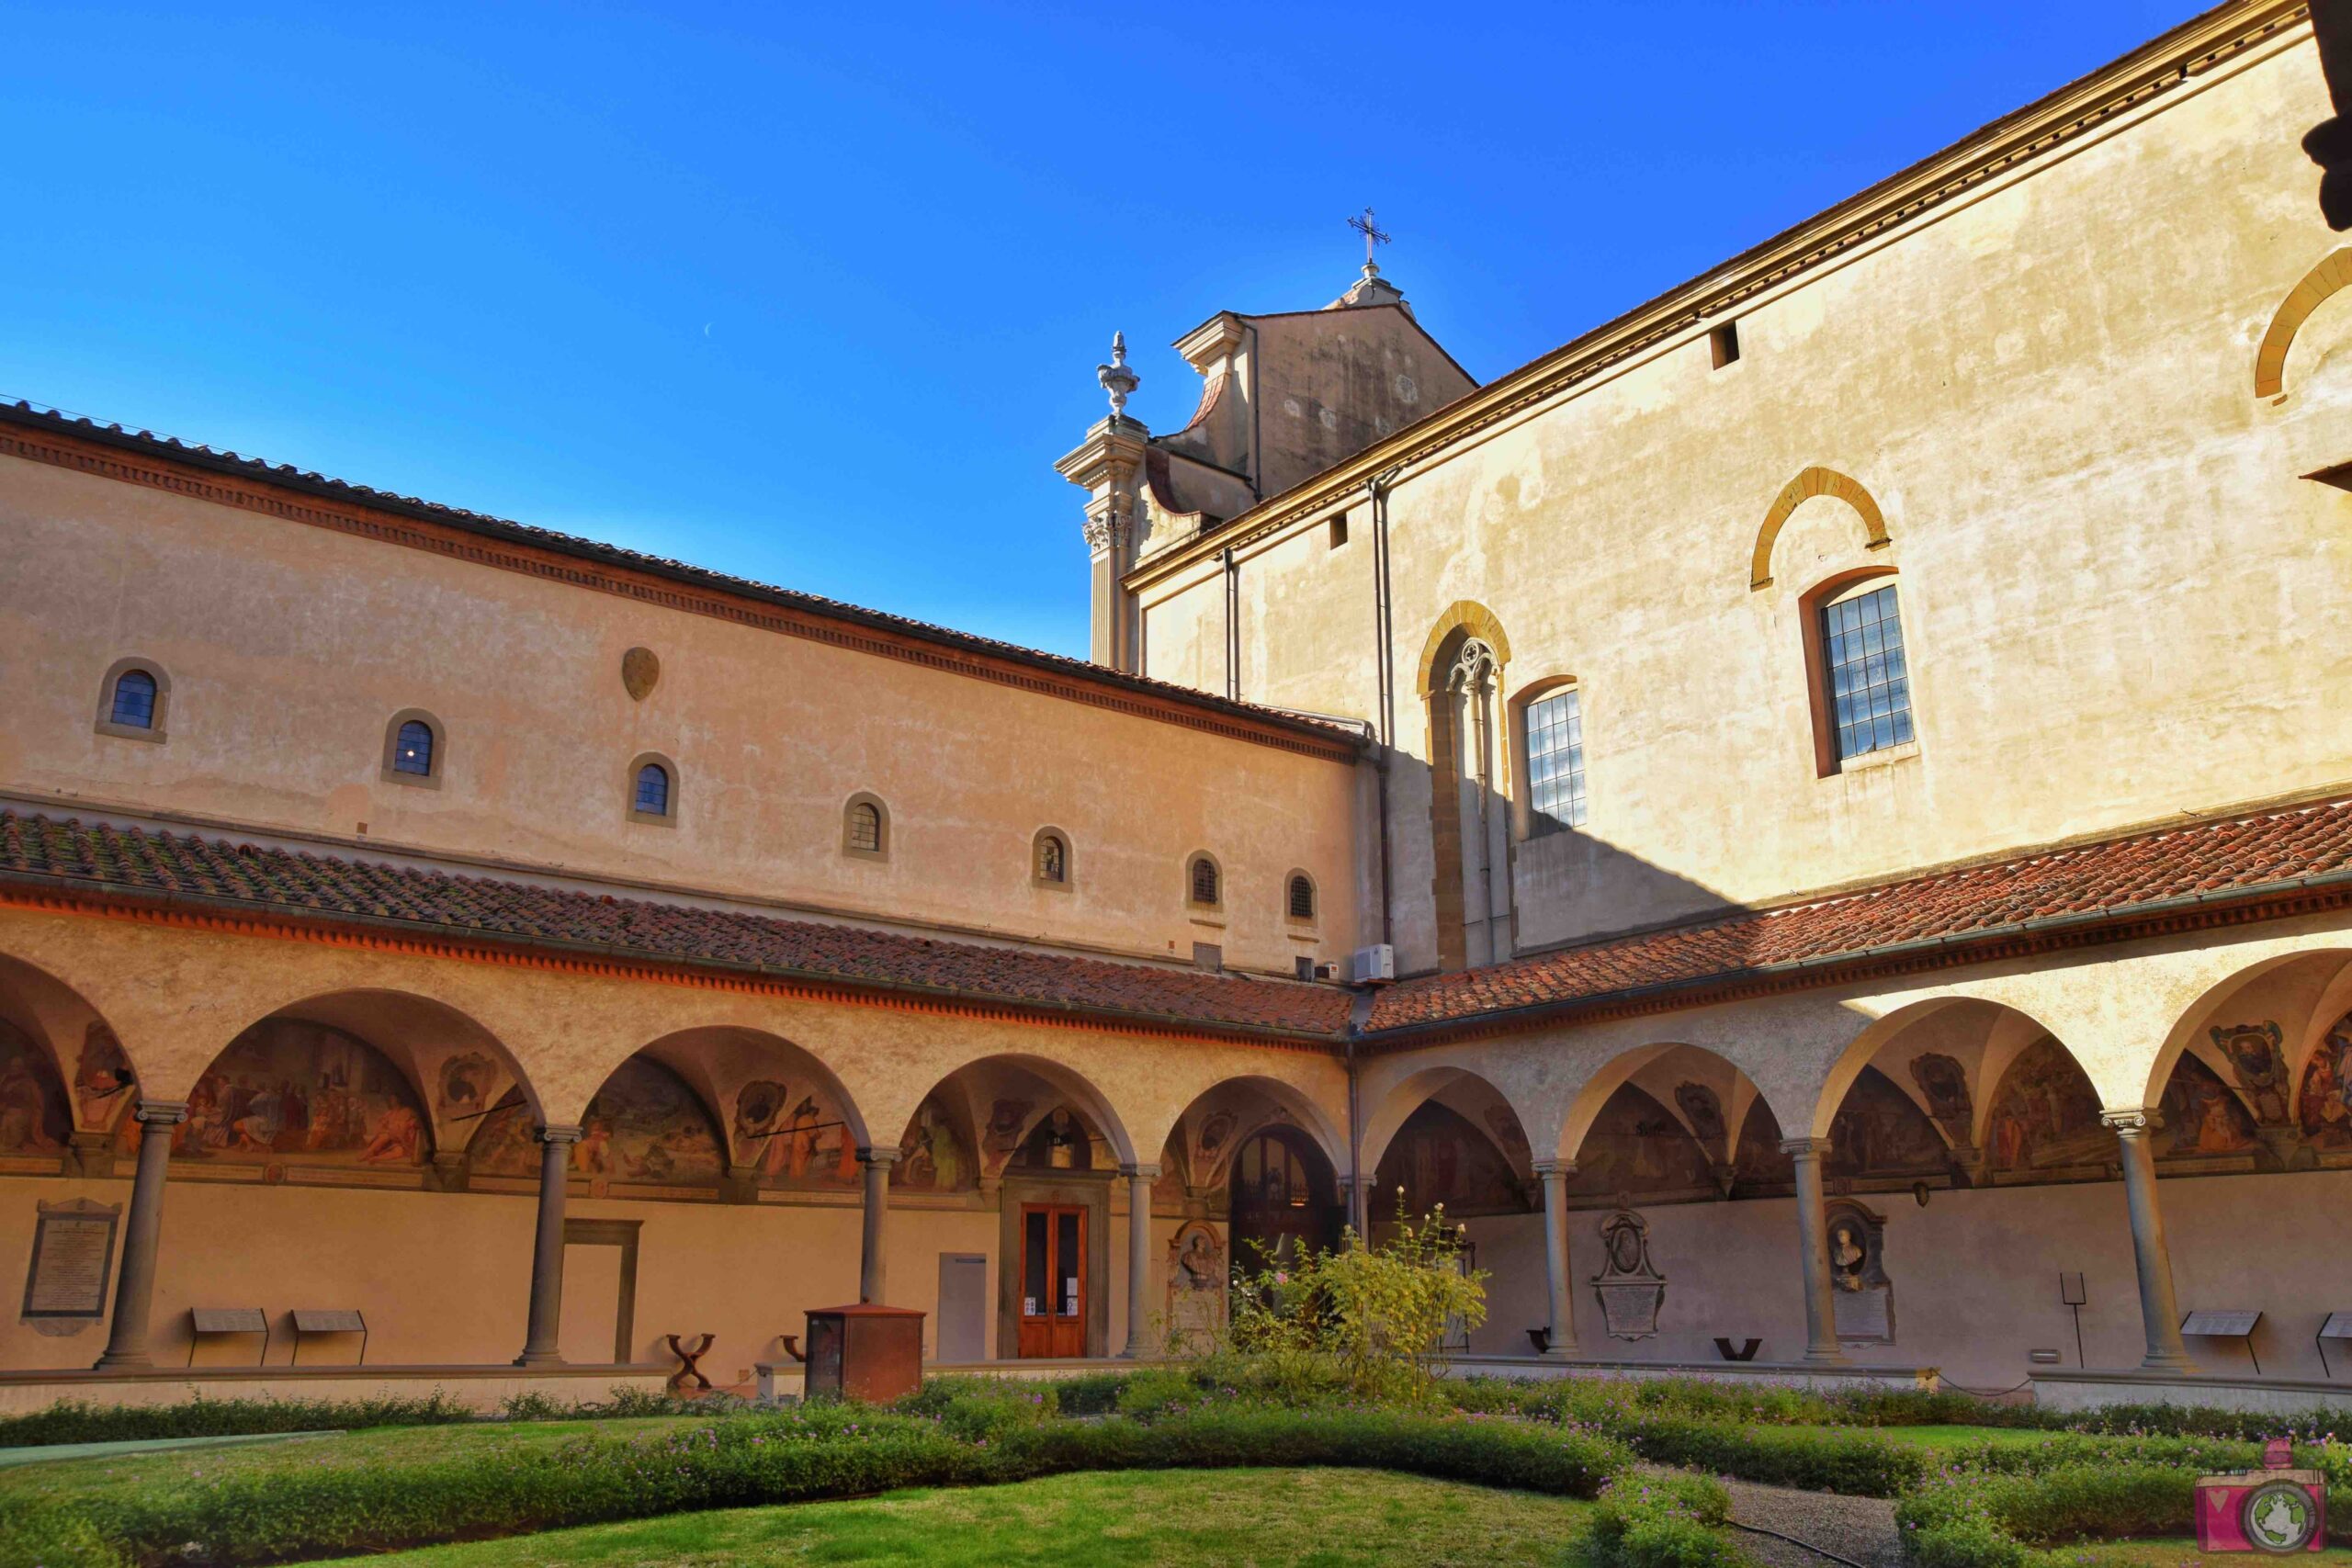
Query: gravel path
[(1862, 1529)]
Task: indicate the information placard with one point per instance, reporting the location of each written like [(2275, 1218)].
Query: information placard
[(72, 1261)]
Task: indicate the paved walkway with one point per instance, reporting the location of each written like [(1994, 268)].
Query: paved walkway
[(9, 1457), (1860, 1530)]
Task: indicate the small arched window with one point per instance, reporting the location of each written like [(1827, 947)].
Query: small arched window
[(1204, 883), (132, 700), (413, 752), (865, 827), (413, 748), (653, 790), (135, 700), (1049, 860), (1300, 902)]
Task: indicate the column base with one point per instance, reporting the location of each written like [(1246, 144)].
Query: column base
[(2175, 1366), (125, 1361), (540, 1359), (1558, 1353), (1827, 1358)]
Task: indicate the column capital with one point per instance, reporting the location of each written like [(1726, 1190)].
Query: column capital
[(1805, 1148), (1361, 1178), (2130, 1123), (1549, 1169), (557, 1133), (1139, 1172), (163, 1112), (883, 1157)]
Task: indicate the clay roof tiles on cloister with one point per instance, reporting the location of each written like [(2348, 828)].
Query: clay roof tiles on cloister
[(2104, 890), (2135, 878), (258, 879)]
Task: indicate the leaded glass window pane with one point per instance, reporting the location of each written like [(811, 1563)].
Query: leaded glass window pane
[(865, 827), (1870, 686), (1555, 761), (653, 790), (135, 700), (413, 750)]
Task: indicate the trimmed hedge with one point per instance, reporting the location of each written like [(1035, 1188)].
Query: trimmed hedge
[(1646, 1521), (829, 1451), (77, 1421)]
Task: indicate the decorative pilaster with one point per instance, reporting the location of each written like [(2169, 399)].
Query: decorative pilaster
[(134, 1291), (1821, 1347), (1139, 1178), (2159, 1309), (872, 1240), (545, 1318), (1553, 1173), (1109, 466)]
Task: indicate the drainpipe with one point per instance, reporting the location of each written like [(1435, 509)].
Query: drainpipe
[(1385, 674), (1232, 625)]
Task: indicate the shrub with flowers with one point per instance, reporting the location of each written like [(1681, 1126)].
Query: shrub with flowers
[(1371, 1318)]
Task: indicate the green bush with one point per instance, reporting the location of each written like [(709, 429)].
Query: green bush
[(989, 1415), (1646, 1522), (1965, 1519), (1856, 1463), (830, 1451)]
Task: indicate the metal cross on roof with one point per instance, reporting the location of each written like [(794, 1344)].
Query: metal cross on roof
[(1374, 234)]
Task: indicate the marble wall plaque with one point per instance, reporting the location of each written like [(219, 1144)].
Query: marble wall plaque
[(1630, 1311), (72, 1261), (1866, 1315)]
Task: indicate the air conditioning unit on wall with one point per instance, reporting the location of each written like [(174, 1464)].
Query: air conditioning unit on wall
[(1372, 966)]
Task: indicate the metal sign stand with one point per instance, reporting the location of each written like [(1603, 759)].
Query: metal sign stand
[(2071, 1293), (2337, 1326), (2236, 1323)]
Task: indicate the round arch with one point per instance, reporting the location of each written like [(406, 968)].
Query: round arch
[(1009, 1119), (1278, 1102), (1408, 1094), (1713, 1111), (1809, 483), (1467, 616), (2311, 292), (752, 1082)]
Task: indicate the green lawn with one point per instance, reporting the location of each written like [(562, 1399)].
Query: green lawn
[(385, 1445), (1299, 1518)]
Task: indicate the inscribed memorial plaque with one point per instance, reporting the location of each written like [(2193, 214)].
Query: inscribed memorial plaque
[(1631, 1290), (72, 1261)]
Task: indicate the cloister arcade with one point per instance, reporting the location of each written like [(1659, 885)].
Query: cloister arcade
[(499, 1161)]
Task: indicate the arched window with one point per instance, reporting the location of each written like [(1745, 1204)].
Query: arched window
[(865, 827), (1552, 725), (413, 748), (1300, 901), (132, 700), (1204, 883), (653, 790), (1049, 860), (135, 700), (1862, 674)]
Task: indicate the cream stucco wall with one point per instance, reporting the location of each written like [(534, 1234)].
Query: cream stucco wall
[(288, 648), (2119, 595)]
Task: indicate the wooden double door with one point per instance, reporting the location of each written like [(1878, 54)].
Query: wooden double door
[(1053, 1280)]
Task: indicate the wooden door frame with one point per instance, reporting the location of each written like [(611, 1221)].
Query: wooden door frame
[(1086, 1190), (623, 1234)]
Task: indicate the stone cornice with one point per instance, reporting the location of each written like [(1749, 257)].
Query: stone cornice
[(145, 461), (2051, 122)]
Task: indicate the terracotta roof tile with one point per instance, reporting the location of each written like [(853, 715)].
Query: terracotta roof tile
[(2114, 876), (134, 860)]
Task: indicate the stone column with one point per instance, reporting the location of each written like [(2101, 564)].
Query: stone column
[(134, 1291), (1555, 1174), (1359, 1191), (547, 1251), (877, 1164), (1821, 1348), (2159, 1309), (1139, 1180)]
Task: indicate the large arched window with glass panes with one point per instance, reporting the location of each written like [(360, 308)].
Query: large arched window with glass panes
[(1863, 670)]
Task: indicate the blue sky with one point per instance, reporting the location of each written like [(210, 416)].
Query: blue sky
[(815, 295)]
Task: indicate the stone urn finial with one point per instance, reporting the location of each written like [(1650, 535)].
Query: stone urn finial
[(1116, 379)]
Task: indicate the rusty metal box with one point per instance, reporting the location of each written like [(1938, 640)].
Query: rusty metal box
[(868, 1352)]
